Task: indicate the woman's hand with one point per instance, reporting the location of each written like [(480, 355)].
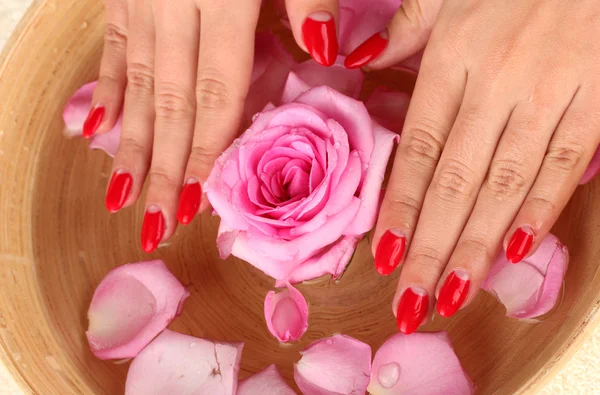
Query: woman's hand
[(504, 120), (181, 69)]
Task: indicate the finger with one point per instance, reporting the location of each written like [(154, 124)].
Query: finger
[(570, 151), (133, 156), (406, 34), (433, 109), (177, 39), (314, 25), (108, 95), (224, 70), (511, 174)]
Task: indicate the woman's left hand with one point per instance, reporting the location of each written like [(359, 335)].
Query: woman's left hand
[(504, 119)]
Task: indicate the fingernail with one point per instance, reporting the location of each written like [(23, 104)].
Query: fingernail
[(189, 201), (453, 293), (153, 228), (118, 190), (389, 251), (412, 309), (519, 245), (93, 121), (320, 37), (367, 51)]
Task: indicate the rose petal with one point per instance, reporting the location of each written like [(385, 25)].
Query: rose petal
[(286, 313), (333, 260), (265, 382), (388, 107), (108, 142), (132, 304), (294, 87), (333, 366), (175, 363), (346, 81), (593, 168), (531, 287), (423, 363), (371, 188)]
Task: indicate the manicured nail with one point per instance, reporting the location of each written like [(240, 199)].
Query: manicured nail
[(118, 190), (189, 201), (412, 309), (93, 121), (153, 228), (389, 251), (519, 245), (320, 37), (453, 293), (367, 51)]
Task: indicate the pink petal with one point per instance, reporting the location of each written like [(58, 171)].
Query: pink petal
[(333, 366), (388, 107), (371, 188), (423, 363), (286, 313), (132, 305), (593, 168), (272, 63), (265, 382), (179, 364), (531, 287), (346, 81), (294, 87), (332, 260), (75, 113)]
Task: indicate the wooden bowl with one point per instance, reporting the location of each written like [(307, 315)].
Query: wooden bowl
[(57, 242)]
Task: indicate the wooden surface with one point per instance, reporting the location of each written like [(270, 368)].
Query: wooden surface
[(57, 242)]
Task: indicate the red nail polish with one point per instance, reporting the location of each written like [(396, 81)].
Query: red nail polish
[(153, 229), (189, 202), (320, 37), (519, 245), (367, 51), (453, 293), (412, 309), (389, 252), (118, 191), (93, 121)]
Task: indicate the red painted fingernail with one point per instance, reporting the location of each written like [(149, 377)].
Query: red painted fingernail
[(519, 245), (189, 201), (118, 190), (153, 228), (389, 251), (320, 37), (367, 51), (93, 121), (453, 293), (412, 309)]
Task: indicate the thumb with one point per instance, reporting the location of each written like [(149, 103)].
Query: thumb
[(406, 34)]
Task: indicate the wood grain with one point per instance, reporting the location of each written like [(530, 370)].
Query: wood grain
[(57, 242)]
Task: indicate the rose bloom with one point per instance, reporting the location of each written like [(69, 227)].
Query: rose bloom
[(301, 186)]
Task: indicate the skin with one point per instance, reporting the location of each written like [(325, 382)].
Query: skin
[(504, 119)]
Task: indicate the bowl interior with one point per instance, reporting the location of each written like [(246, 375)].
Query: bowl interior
[(60, 242)]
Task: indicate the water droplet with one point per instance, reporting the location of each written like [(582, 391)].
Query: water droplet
[(354, 153), (84, 25), (388, 375), (192, 344), (337, 145), (255, 116), (366, 166), (329, 341)]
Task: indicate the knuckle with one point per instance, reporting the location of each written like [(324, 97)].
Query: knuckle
[(130, 147), (505, 178), (140, 78), (476, 249), (422, 146), (415, 14), (212, 93), (173, 104), (402, 205), (454, 182), (425, 263), (116, 36), (565, 156), (161, 177), (202, 158), (541, 206)]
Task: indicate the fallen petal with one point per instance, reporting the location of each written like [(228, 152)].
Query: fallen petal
[(286, 313), (593, 168), (178, 364), (531, 287), (132, 305), (337, 365), (265, 382), (423, 363)]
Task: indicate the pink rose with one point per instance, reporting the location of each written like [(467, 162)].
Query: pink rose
[(301, 186)]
